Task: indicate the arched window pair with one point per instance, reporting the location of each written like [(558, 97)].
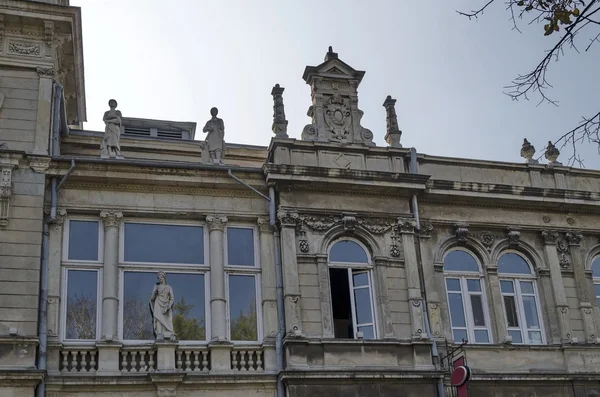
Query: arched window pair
[(467, 299), (351, 284)]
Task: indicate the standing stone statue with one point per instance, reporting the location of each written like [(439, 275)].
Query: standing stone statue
[(215, 138), (111, 146), (161, 307)]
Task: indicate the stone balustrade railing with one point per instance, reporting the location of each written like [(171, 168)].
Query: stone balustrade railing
[(112, 359), (247, 359), (78, 359)]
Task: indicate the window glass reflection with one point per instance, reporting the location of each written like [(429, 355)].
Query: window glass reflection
[(513, 263), (460, 261), (156, 243), (82, 304), (242, 308), (347, 251), (83, 240), (240, 246)]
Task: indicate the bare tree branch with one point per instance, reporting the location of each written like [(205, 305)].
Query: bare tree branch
[(475, 13)]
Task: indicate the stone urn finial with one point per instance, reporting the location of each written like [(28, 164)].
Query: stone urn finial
[(280, 124), (393, 133), (552, 154), (528, 151)]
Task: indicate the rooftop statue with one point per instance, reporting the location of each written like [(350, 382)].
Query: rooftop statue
[(215, 138), (161, 307), (111, 143)]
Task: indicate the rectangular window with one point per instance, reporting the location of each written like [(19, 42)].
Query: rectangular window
[(81, 304), (597, 287), (189, 308), (243, 318), (240, 246), (83, 240), (158, 243), (468, 312), (352, 303), (521, 311)]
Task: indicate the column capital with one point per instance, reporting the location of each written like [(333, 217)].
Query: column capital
[(550, 237), (406, 225), (111, 218), (288, 218), (574, 238), (264, 224), (216, 222)]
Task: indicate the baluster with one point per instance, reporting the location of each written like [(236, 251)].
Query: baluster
[(243, 360), (197, 361), (205, 361), (179, 362), (93, 360), (150, 361), (79, 360), (259, 363), (139, 360), (124, 361), (188, 361), (234, 364), (65, 361), (131, 361)]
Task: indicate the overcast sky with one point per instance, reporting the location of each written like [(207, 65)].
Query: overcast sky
[(174, 60)]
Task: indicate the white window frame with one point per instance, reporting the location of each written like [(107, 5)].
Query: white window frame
[(463, 276), (360, 266), (155, 270), (63, 317), (244, 271), (65, 243), (596, 279), (516, 279), (167, 267), (206, 258)]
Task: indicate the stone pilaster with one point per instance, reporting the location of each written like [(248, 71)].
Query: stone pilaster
[(216, 228), (44, 111), (584, 295), (433, 297), (383, 297), (550, 237), (406, 227), (325, 296), (492, 285), (269, 293), (291, 288), (110, 293), (54, 274)]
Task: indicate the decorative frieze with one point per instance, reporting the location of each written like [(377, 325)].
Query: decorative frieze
[(111, 218), (24, 48), (216, 222)]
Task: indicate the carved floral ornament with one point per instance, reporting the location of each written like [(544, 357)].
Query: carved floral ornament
[(111, 218), (216, 222)]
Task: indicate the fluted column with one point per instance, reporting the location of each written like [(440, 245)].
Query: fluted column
[(54, 274), (216, 228), (406, 227), (110, 274), (550, 237)]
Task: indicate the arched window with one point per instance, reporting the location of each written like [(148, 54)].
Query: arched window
[(351, 285), (467, 303), (596, 276), (520, 299)]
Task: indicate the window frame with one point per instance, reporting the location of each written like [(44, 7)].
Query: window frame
[(463, 276), (65, 243), (350, 266), (63, 304), (516, 279), (155, 270), (596, 279), (149, 221), (257, 264), (240, 270)]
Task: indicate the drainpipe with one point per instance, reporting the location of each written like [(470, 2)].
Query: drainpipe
[(441, 391), (54, 187), (278, 280)]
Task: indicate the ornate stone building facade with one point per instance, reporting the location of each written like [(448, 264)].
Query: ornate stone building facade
[(324, 265)]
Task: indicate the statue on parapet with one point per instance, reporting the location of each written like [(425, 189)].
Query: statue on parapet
[(111, 143), (161, 307), (215, 138)]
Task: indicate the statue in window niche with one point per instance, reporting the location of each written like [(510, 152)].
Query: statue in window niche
[(111, 143), (215, 138), (161, 307)]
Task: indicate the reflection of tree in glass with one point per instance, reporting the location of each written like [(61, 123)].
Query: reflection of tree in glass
[(81, 317), (243, 327), (187, 328), (137, 320)]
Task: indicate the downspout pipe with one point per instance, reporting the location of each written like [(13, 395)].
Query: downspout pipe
[(278, 279), (441, 391)]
